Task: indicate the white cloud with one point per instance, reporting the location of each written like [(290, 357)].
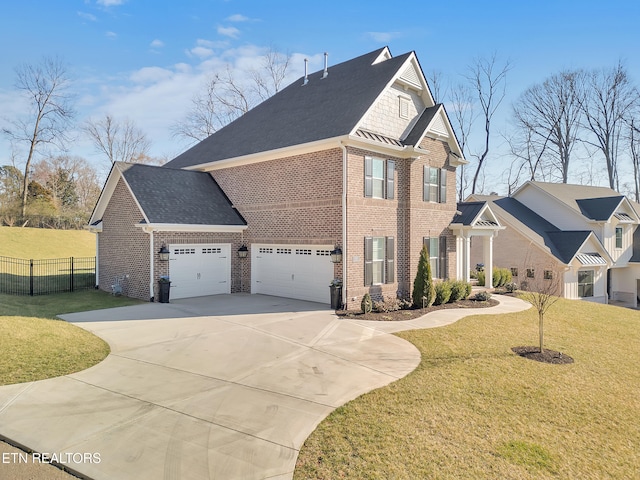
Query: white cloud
[(149, 75), (87, 16), (111, 34), (232, 32), (383, 37), (110, 3), (157, 44), (156, 97), (238, 18), (200, 52)]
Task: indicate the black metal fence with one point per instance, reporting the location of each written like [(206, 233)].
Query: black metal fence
[(39, 277)]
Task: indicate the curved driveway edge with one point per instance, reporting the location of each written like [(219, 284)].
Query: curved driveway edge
[(217, 387)]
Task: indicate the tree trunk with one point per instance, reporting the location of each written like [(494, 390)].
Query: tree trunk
[(541, 329)]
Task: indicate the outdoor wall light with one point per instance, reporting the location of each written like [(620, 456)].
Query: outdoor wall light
[(164, 253), (242, 251), (336, 255)]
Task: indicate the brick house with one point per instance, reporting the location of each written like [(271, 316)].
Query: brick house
[(357, 156), (586, 235)]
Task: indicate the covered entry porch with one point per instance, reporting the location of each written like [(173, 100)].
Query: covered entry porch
[(474, 219)]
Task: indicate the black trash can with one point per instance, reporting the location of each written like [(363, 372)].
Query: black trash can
[(163, 291), (336, 296)]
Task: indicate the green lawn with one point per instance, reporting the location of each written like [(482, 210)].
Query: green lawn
[(38, 243), (473, 409), (35, 346)]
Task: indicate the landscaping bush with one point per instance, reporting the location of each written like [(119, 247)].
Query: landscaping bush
[(366, 305), (423, 289), (387, 305), (468, 285), (511, 287), (443, 293), (458, 291), (497, 277), (508, 278), (481, 278), (482, 296)]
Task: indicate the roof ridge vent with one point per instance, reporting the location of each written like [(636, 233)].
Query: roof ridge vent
[(326, 65), (306, 76)]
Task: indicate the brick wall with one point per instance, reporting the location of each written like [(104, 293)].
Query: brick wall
[(123, 249), (293, 200), (407, 218)]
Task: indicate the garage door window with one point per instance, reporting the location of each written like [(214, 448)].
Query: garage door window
[(379, 260)]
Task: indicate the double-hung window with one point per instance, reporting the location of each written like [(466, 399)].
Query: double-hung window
[(379, 255), (435, 185), (437, 248), (618, 237), (585, 283), (379, 178)]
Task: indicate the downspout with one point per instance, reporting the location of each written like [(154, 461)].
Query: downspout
[(97, 282), (345, 255)]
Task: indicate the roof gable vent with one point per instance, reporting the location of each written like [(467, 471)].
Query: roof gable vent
[(410, 76)]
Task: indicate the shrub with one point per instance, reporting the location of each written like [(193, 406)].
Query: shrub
[(511, 287), (468, 285), (482, 296), (423, 288), (481, 278), (458, 291), (497, 276), (366, 305), (443, 293), (508, 278), (386, 305)]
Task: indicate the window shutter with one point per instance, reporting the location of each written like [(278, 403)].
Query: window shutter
[(368, 177), (391, 176), (443, 185), (443, 257), (368, 261), (425, 184), (389, 260)]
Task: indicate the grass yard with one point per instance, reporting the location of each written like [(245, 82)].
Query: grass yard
[(35, 346), (38, 243), (474, 409)]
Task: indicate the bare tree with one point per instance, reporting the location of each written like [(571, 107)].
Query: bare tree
[(610, 99), (542, 292), (463, 117), (119, 141), (46, 88), (226, 97), (488, 80), (550, 115), (438, 86), (633, 137)]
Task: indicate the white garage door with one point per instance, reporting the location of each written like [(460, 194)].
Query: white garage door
[(199, 269), (294, 271)]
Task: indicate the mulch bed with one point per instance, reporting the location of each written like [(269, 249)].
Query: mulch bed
[(410, 314), (546, 356)]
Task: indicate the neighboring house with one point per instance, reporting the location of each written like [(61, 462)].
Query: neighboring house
[(584, 233), (357, 157)]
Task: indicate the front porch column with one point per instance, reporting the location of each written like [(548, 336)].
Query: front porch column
[(467, 258), (487, 246)]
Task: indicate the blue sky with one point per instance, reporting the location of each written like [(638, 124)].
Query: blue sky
[(144, 59)]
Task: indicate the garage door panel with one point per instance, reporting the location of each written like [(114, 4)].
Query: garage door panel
[(303, 272), (199, 269)]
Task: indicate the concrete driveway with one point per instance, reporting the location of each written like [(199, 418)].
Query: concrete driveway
[(224, 387)]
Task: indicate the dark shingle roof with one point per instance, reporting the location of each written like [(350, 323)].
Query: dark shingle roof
[(174, 196), (468, 212), (323, 108), (563, 244), (421, 125), (599, 209)]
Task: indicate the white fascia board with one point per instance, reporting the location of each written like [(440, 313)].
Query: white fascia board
[(284, 152), (179, 227), (491, 214), (630, 209), (105, 194), (97, 228)]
